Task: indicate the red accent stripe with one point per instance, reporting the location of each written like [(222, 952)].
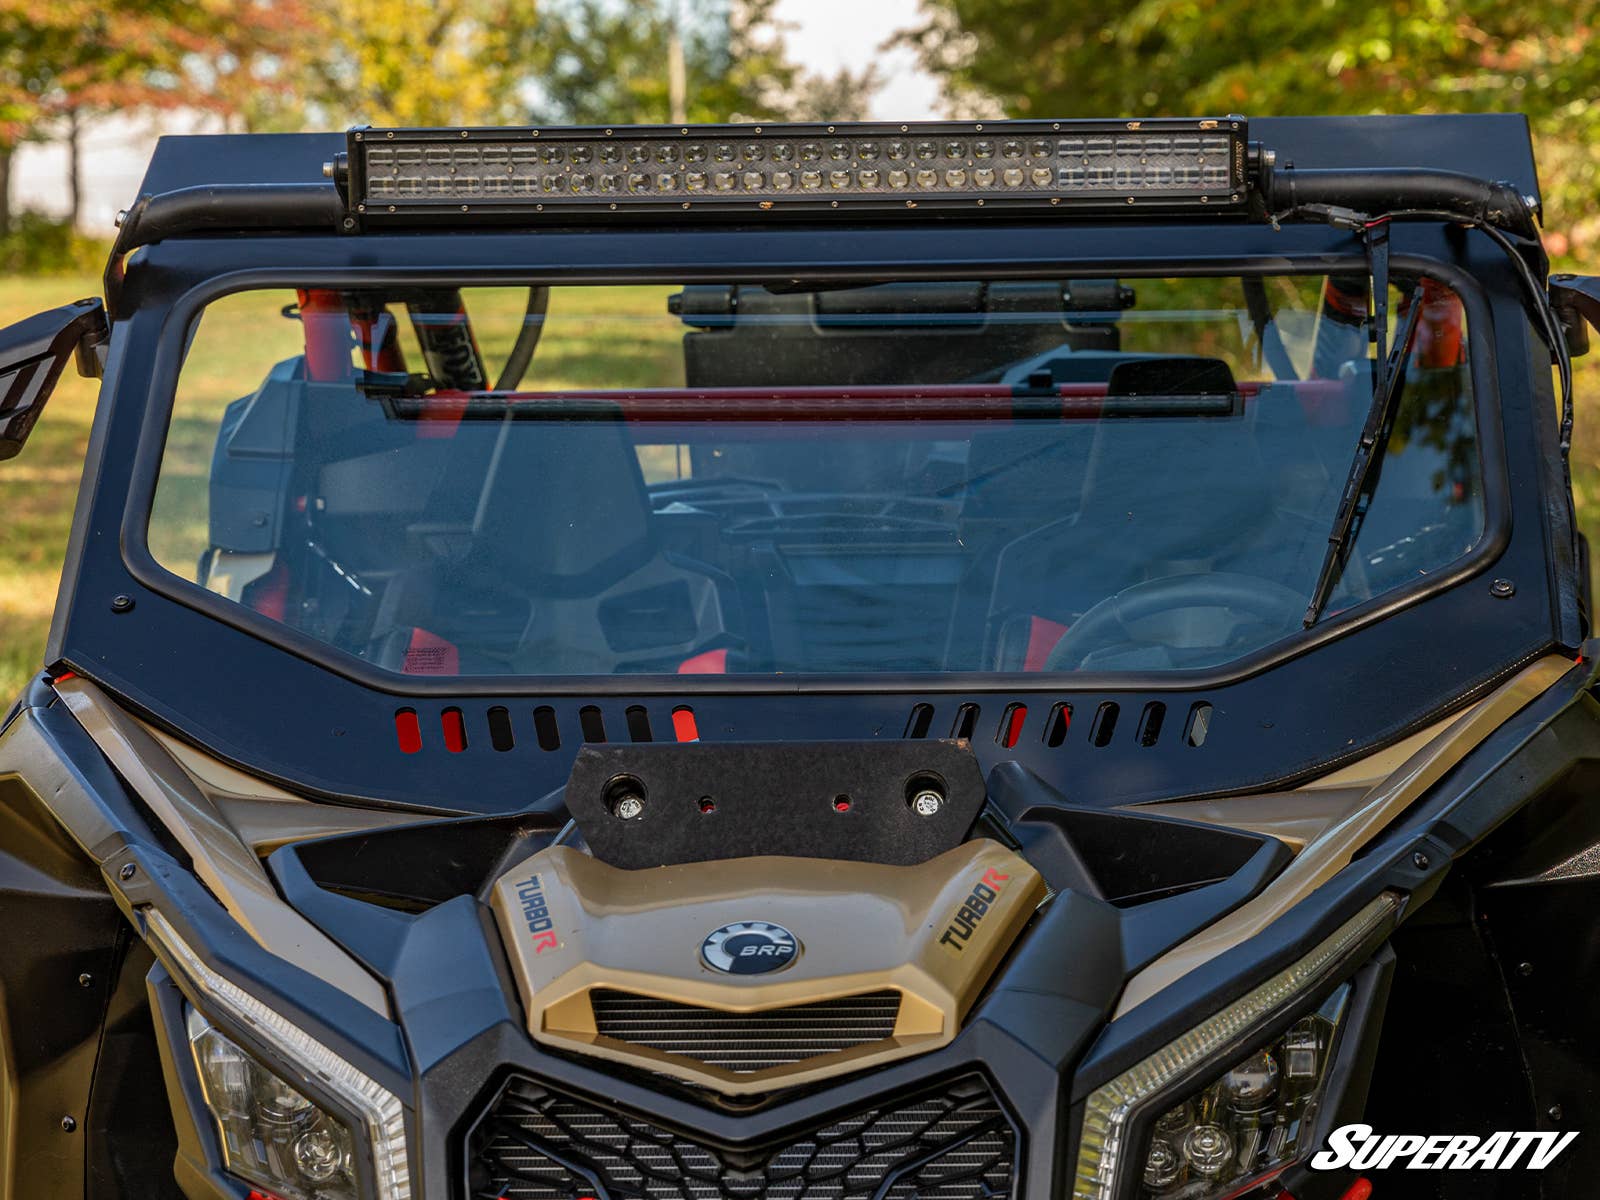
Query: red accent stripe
[(954, 401), (1043, 634), (1017, 716), (712, 662), (684, 726), (408, 730), (455, 730)]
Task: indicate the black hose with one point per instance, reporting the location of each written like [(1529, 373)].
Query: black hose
[(219, 208), (527, 340), (1378, 191)]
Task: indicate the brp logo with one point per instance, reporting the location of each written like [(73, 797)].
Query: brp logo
[(749, 948)]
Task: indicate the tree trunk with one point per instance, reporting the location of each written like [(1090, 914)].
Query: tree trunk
[(5, 188), (74, 168), (677, 76)]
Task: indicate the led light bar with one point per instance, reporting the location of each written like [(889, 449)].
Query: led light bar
[(405, 174)]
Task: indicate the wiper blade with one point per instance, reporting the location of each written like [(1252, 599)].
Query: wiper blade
[(1370, 449)]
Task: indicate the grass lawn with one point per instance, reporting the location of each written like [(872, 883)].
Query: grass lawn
[(37, 489), (594, 337)]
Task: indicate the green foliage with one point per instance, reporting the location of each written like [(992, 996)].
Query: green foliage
[(41, 245), (1037, 58)]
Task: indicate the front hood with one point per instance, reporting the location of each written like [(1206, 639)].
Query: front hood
[(757, 973)]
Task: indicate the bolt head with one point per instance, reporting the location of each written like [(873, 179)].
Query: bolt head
[(121, 603), (630, 808), (1554, 1112), (327, 170), (1420, 861), (926, 803), (128, 871), (1525, 968), (68, 1124), (1502, 588), (85, 979)]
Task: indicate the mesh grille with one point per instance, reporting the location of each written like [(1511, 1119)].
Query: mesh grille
[(746, 1042), (953, 1144)]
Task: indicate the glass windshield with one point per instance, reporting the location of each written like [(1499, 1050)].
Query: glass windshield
[(765, 478)]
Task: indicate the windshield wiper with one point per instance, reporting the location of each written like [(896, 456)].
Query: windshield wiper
[(1370, 449)]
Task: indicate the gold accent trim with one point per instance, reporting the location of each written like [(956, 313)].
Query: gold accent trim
[(1329, 851), (221, 859), (265, 816), (572, 924)]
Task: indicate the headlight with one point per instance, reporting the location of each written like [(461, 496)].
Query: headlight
[(1247, 1124), (1245, 1118), (380, 1119), (271, 1134)]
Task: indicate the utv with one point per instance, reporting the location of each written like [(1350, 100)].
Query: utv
[(962, 661)]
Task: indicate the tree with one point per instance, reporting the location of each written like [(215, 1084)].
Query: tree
[(1183, 57), (418, 62), (608, 63), (65, 61)]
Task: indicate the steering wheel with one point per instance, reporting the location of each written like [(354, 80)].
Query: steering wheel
[(1107, 624)]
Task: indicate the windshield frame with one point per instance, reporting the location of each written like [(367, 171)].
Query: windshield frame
[(180, 321)]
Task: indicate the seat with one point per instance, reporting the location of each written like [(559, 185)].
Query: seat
[(559, 570)]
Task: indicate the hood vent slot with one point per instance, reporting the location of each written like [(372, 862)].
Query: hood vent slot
[(748, 1041)]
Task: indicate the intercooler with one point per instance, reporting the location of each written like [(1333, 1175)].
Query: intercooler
[(751, 1041)]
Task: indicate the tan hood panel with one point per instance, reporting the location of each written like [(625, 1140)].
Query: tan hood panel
[(934, 933)]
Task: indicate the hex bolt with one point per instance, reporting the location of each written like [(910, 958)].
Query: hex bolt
[(630, 807), (85, 980), (68, 1124), (127, 872), (121, 603), (926, 802), (1502, 589), (1420, 861)]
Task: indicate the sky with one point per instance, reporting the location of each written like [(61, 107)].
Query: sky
[(823, 35)]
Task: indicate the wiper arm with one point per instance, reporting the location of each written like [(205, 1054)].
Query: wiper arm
[(1370, 449)]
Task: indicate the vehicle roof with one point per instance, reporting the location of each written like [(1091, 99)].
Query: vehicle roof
[(1495, 146)]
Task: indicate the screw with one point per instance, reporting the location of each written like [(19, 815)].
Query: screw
[(1525, 968), (1501, 589), (630, 808), (1419, 860), (122, 215), (1554, 1112), (128, 871), (927, 802), (85, 979), (68, 1124), (121, 603)]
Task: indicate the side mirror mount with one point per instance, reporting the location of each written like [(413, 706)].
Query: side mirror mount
[(33, 354), (1576, 300)]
